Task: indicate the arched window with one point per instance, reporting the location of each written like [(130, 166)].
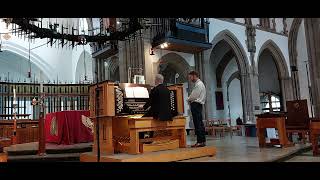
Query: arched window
[(270, 102), (96, 25), (83, 26)]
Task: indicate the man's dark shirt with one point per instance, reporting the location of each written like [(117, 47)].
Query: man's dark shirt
[(159, 100)]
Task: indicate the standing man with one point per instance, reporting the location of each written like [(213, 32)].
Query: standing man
[(197, 99)]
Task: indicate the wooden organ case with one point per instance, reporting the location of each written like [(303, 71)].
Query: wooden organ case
[(128, 125), (121, 121)]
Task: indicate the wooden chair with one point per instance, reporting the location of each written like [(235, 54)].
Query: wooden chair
[(209, 126), (298, 120), (237, 129), (215, 126)]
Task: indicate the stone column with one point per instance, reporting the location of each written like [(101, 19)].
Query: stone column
[(199, 67), (312, 30), (208, 108), (287, 90), (250, 82)]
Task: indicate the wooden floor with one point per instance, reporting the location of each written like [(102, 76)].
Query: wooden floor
[(159, 156)]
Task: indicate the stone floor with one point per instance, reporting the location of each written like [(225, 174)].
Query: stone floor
[(304, 157), (229, 149), (244, 149)]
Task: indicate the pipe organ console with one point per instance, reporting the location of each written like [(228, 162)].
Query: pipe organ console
[(121, 119)]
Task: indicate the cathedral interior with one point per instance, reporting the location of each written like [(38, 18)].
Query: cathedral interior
[(64, 82)]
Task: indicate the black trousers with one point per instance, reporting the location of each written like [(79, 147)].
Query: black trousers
[(196, 110)]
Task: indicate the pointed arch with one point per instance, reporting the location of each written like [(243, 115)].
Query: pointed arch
[(243, 67), (84, 65), (277, 55), (176, 62), (236, 46), (46, 68), (283, 70)]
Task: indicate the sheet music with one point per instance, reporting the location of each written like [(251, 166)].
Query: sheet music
[(129, 92), (141, 92), (136, 92)]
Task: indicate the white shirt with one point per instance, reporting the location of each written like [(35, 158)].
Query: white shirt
[(198, 93)]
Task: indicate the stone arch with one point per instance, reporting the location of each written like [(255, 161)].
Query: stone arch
[(84, 64), (278, 57), (222, 66), (175, 62), (292, 44), (235, 75), (243, 67), (236, 46), (46, 68), (282, 67)]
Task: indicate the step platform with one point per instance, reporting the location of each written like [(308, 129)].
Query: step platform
[(158, 156), (3, 157)]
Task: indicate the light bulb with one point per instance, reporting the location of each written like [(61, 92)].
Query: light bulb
[(162, 46), (165, 44)]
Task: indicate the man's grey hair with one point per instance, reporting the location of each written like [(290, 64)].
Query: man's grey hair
[(159, 78)]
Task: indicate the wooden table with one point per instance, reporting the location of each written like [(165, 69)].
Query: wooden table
[(272, 121), (314, 135)]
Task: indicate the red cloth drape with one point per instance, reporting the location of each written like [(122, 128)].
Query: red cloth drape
[(70, 129)]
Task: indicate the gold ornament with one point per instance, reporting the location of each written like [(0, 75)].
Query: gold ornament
[(54, 127)]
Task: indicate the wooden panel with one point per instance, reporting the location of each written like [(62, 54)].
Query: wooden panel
[(266, 122), (3, 157), (298, 114), (159, 156), (151, 123), (314, 136), (180, 99), (159, 146), (315, 125), (27, 130), (106, 99), (120, 127), (105, 136), (92, 100), (109, 99)]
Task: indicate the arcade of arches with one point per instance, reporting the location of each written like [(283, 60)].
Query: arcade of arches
[(248, 68), (240, 79)]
